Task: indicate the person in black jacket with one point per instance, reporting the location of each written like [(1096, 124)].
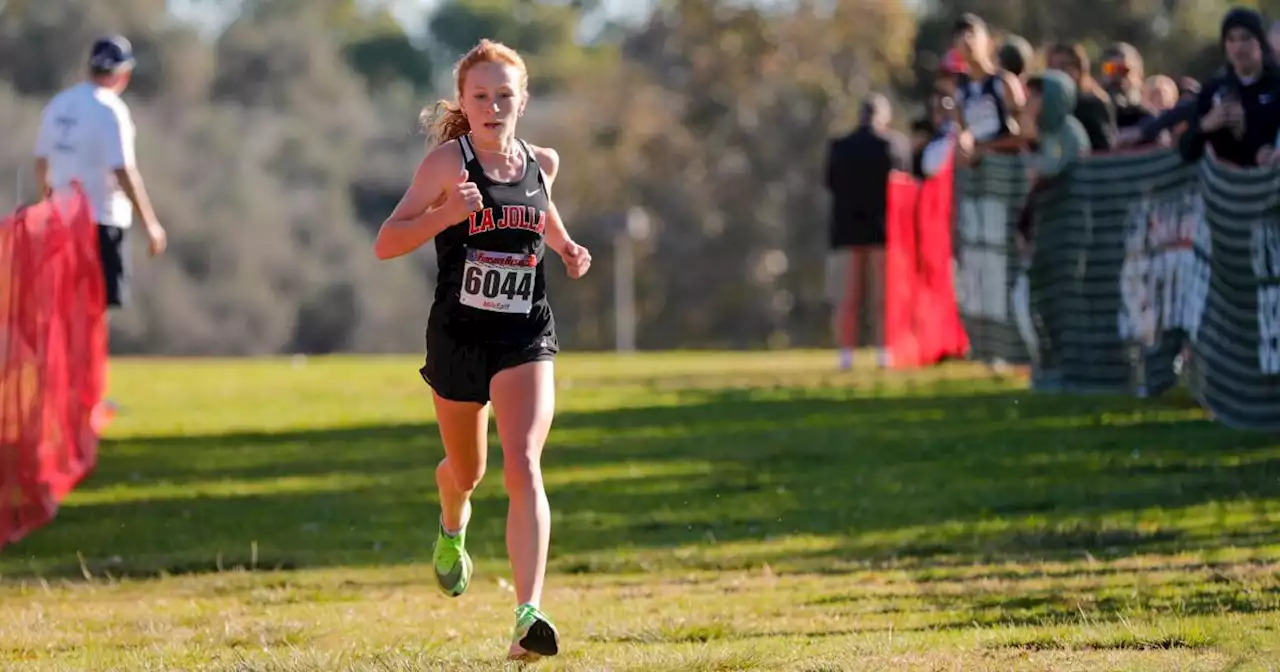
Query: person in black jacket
[(1238, 111), (858, 169), (1093, 105)]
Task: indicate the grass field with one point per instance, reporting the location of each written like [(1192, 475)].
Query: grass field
[(711, 512)]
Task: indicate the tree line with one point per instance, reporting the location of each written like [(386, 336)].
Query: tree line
[(274, 148)]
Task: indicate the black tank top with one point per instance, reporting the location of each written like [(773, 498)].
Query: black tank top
[(490, 286)]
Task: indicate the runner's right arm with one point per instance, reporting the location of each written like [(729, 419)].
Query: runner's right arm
[(440, 196)]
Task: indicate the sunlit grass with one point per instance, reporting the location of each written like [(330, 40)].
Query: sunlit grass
[(713, 511)]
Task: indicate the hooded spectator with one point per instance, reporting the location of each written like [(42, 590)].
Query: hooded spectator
[(1062, 138)]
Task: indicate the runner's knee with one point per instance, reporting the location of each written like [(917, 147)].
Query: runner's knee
[(464, 477), (520, 472)]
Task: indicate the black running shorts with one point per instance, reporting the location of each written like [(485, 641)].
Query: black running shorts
[(461, 371), (113, 251)]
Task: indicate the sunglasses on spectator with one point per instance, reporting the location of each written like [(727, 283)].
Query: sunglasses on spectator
[(1114, 69)]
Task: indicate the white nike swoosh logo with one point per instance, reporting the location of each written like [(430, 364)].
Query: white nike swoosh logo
[(530, 194)]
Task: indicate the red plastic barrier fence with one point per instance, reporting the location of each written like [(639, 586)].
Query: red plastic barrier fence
[(922, 323), (53, 356)]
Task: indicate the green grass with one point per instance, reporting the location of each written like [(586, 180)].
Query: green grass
[(711, 512)]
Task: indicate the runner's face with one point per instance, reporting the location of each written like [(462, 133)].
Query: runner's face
[(493, 98)]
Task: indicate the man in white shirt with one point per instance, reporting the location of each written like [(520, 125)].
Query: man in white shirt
[(87, 135)]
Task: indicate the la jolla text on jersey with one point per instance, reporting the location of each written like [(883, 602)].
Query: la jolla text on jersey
[(491, 276)]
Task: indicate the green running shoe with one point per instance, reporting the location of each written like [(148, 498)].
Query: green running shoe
[(535, 636), (451, 563)]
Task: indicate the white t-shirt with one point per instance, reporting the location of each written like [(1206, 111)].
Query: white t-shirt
[(935, 154), (86, 133)]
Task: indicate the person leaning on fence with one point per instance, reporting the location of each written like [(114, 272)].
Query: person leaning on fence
[(1167, 124), (1060, 138), (87, 135), (1238, 110), (857, 174), (989, 99)]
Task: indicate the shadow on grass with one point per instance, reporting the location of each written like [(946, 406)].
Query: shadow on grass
[(939, 480)]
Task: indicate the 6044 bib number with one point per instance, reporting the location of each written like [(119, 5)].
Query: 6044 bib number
[(498, 282)]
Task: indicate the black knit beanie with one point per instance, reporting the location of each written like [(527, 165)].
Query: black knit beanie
[(1250, 20)]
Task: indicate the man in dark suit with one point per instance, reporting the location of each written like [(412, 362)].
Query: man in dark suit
[(858, 168)]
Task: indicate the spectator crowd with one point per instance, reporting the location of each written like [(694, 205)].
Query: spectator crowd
[(1001, 97)]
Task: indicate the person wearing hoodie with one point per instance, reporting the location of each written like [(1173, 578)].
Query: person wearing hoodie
[(1061, 141), (1238, 111), (1060, 137)]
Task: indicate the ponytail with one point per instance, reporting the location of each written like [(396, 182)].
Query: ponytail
[(450, 124)]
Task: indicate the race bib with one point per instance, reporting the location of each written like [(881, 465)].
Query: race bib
[(498, 282)]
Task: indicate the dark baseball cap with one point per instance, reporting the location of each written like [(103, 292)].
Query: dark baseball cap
[(111, 54)]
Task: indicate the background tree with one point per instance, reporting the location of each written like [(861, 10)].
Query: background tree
[(275, 146)]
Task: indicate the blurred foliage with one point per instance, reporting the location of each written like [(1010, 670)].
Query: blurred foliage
[(275, 148)]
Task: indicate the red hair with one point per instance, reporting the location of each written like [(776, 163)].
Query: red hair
[(452, 123)]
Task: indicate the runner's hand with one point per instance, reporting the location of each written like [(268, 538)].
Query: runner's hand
[(464, 197), (577, 259)]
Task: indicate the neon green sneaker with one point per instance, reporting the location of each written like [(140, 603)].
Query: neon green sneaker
[(452, 564), (534, 636)]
